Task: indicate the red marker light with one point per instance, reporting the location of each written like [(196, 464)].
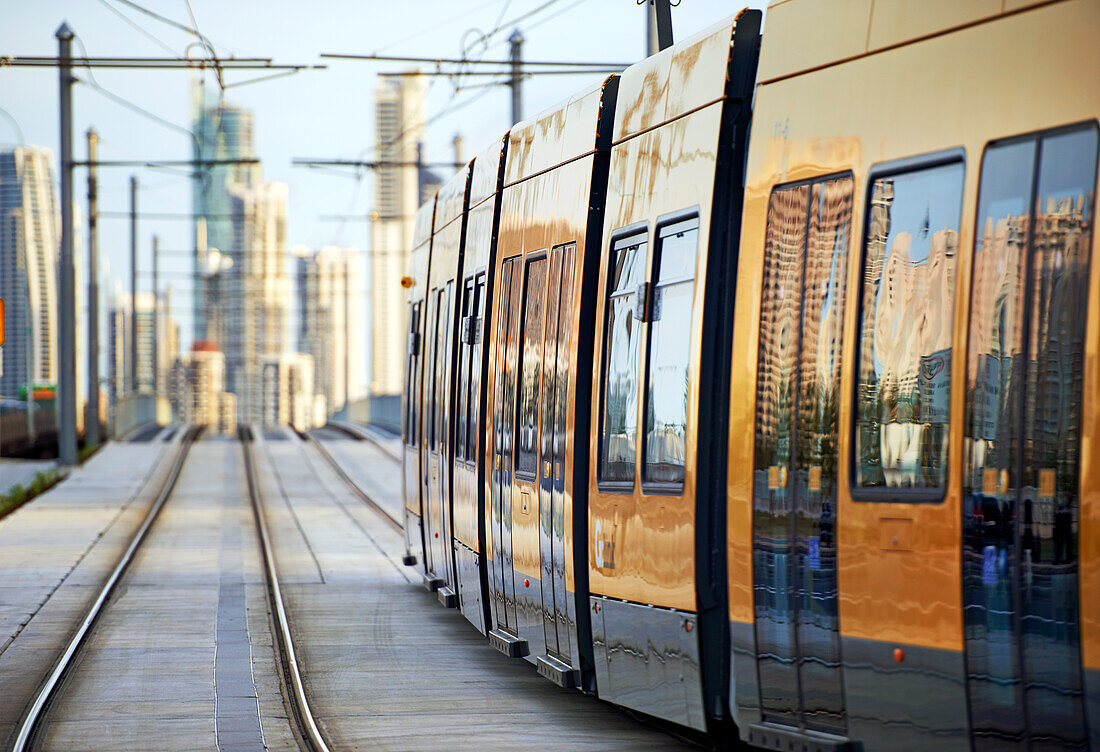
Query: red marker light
[(527, 583), (899, 655), (437, 535)]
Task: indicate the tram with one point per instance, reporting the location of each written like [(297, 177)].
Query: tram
[(757, 389)]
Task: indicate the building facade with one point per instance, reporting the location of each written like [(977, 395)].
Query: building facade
[(29, 243), (287, 391), (332, 323), (399, 129)]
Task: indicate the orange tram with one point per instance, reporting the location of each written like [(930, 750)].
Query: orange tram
[(790, 434)]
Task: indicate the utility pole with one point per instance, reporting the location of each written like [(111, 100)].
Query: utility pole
[(658, 26), (91, 414), (66, 374), (156, 319), (651, 46), (133, 284), (515, 83)]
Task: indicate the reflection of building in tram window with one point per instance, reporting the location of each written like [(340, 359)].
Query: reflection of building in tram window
[(623, 336), (907, 319)]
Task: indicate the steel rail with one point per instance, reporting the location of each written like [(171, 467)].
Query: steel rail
[(307, 724), (393, 521), (33, 717), (365, 435)]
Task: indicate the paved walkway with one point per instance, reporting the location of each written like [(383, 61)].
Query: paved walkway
[(386, 667)]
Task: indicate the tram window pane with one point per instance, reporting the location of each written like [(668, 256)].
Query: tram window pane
[(474, 398), (445, 363), (462, 406), (621, 355), (669, 350), (430, 370), (778, 356), (411, 396), (527, 417), (908, 307), (821, 350)]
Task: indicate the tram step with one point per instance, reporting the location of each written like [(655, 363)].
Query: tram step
[(432, 583), (447, 597), (558, 672), (775, 736), (510, 645)]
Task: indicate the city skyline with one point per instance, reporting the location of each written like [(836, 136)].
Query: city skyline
[(314, 114)]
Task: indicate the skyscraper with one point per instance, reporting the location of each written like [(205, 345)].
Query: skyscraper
[(29, 243), (399, 114), (222, 131), (254, 293), (119, 331), (331, 323), (243, 290)]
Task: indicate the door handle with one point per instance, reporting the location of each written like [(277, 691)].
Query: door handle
[(546, 469), (496, 462)]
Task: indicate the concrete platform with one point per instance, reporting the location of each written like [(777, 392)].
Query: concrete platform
[(56, 550), (385, 666)]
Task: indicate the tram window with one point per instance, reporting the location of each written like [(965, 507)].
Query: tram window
[(903, 392), (474, 391), (666, 395), (461, 408), (411, 396), (444, 363), (619, 421), (527, 421), (430, 368)]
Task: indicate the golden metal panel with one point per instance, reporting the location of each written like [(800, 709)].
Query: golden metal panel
[(673, 82), (1017, 74), (483, 183), (801, 34), (897, 21), (647, 540), (450, 199), (422, 224), (564, 132)]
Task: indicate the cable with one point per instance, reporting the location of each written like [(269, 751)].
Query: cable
[(140, 30), (433, 27), (207, 44), (125, 102)]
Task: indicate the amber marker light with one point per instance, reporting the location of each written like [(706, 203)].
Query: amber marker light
[(407, 282)]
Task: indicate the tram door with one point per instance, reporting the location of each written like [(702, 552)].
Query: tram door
[(795, 478), (1022, 447), (552, 519), (504, 411), (437, 506)]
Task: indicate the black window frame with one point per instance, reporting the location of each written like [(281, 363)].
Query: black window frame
[(639, 231), (895, 494), (680, 221)]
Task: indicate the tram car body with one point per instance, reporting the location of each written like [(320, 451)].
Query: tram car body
[(788, 437)]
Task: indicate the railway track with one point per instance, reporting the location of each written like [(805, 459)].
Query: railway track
[(34, 717), (30, 733), (292, 675), (385, 514)]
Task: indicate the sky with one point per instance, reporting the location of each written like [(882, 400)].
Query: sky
[(313, 114)]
